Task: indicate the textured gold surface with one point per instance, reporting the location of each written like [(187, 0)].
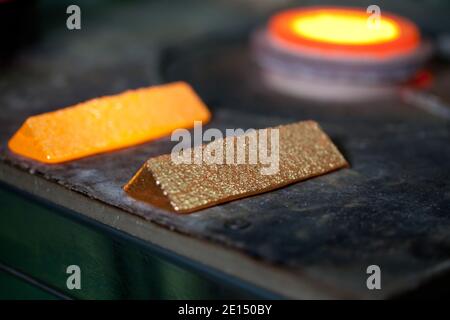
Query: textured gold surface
[(305, 151)]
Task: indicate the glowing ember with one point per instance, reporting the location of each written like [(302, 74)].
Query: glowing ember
[(349, 28), (343, 31)]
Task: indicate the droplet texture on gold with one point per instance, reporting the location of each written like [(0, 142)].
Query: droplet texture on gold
[(305, 151)]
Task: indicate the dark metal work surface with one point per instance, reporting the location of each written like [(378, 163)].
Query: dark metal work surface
[(391, 208)]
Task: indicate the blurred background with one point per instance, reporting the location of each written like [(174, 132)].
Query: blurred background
[(38, 48)]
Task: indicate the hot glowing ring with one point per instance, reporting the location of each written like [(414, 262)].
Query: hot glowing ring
[(306, 30)]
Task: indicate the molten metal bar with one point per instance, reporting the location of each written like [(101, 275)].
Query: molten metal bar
[(109, 123)]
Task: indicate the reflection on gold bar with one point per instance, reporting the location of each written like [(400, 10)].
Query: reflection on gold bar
[(304, 151)]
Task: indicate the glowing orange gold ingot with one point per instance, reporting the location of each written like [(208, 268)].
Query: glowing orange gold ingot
[(109, 123), (344, 32)]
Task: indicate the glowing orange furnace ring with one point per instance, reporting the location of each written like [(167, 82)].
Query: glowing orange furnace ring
[(284, 29), (338, 53)]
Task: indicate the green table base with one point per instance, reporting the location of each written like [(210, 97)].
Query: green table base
[(41, 242)]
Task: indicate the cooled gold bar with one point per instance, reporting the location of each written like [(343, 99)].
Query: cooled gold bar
[(305, 151)]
